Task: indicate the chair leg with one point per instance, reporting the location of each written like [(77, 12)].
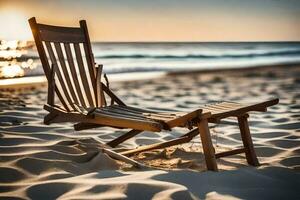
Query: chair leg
[(208, 149), (123, 138), (49, 117), (247, 141)]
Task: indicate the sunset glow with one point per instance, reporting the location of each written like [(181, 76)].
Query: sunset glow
[(161, 20)]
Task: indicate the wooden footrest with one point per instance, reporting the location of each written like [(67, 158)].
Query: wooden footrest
[(232, 109), (230, 153), (157, 146)]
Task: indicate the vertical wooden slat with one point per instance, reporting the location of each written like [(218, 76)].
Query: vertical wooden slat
[(39, 45), (65, 71), (89, 55), (51, 81), (74, 74), (58, 73), (91, 64), (98, 87), (88, 50), (44, 59), (90, 78), (62, 99), (51, 87), (83, 74), (78, 73)]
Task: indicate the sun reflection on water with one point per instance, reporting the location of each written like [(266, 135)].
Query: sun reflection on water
[(12, 60), (10, 71)]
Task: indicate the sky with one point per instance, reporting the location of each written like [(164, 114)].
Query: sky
[(159, 20)]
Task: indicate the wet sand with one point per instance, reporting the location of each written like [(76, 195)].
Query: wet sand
[(47, 162)]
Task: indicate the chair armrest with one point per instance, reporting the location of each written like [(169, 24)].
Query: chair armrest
[(98, 89), (100, 86), (112, 95)]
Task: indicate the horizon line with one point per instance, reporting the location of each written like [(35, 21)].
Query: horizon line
[(183, 41)]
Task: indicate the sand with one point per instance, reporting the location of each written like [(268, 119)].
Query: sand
[(48, 162)]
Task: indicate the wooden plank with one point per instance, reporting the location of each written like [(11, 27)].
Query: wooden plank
[(88, 51), (182, 139), (90, 73), (65, 73), (181, 121), (90, 62), (44, 59), (123, 158), (191, 133), (247, 141), (221, 108), (56, 109), (120, 111), (74, 74), (238, 112), (65, 116), (123, 138), (49, 117), (134, 109), (124, 115), (163, 116), (51, 33), (226, 105), (106, 149), (89, 55), (105, 120), (208, 109), (230, 153), (60, 78), (83, 126), (170, 122), (39, 45), (51, 87), (157, 146), (126, 123), (126, 109), (159, 119), (231, 103), (207, 145), (88, 125), (216, 109), (103, 97), (98, 87), (62, 99), (83, 74), (128, 112), (140, 110)]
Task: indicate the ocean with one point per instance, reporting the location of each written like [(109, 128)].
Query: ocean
[(120, 58)]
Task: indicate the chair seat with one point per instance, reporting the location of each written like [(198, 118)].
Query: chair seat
[(145, 119)]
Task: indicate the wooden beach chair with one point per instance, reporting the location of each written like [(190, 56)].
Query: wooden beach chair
[(73, 77)]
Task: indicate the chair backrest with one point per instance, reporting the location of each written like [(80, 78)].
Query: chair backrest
[(68, 63)]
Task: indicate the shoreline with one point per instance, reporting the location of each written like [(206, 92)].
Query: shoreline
[(241, 69), (40, 80)]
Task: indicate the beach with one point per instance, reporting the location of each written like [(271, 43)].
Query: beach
[(39, 161)]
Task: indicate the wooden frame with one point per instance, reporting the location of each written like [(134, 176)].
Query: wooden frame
[(92, 111)]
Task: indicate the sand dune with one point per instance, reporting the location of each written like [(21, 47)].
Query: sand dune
[(47, 162)]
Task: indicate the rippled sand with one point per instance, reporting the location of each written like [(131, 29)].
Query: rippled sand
[(46, 162)]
